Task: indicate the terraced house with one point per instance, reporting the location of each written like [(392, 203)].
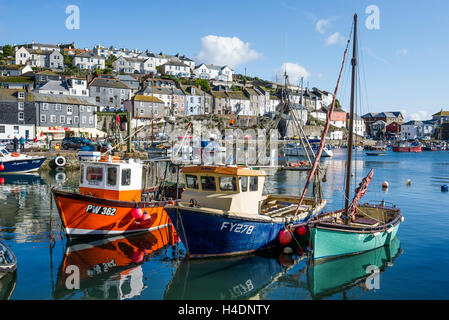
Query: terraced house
[(39, 58), (17, 114), (109, 93), (61, 115), (144, 109), (197, 101), (88, 61)]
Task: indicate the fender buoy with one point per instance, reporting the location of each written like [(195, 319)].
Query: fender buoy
[(285, 237), (385, 184), (15, 154), (137, 213), (2, 167), (301, 231), (60, 161)]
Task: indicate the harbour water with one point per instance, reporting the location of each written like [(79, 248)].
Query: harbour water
[(151, 266)]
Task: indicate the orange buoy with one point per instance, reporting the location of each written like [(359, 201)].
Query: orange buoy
[(385, 184)]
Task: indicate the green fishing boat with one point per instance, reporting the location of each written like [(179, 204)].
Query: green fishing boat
[(356, 228)]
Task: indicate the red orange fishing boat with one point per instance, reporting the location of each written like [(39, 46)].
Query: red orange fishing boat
[(109, 201)]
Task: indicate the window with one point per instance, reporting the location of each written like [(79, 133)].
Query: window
[(112, 177), (16, 129), (91, 120), (191, 181), (88, 109), (52, 118), (126, 177), (83, 119), (69, 120), (82, 108), (43, 118), (228, 184), (58, 107), (44, 106), (253, 183), (97, 99), (21, 95), (94, 175), (69, 109), (243, 184), (62, 119), (21, 116), (76, 119), (21, 105), (2, 129), (111, 99), (208, 183)]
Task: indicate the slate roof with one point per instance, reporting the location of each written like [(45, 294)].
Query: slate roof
[(67, 99), (108, 83), (54, 85)]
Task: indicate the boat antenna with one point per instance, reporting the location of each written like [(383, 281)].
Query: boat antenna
[(324, 134), (351, 117)]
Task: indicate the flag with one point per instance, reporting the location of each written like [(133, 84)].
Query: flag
[(359, 193)]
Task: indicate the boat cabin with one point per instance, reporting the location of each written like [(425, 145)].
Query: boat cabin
[(111, 178), (227, 188)]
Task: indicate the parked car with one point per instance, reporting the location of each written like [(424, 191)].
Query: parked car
[(75, 143)]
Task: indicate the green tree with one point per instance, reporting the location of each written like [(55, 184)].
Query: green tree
[(8, 51), (110, 60), (204, 84)]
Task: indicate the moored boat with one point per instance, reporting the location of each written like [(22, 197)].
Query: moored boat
[(18, 163), (355, 228), (8, 260), (403, 146), (223, 212), (109, 201)]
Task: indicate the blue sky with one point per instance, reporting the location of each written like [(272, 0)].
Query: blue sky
[(403, 64)]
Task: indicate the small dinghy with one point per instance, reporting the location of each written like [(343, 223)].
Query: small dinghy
[(8, 261)]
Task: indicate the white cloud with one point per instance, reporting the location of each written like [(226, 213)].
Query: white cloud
[(322, 24), (294, 72), (335, 38), (402, 52), (418, 115), (225, 51)]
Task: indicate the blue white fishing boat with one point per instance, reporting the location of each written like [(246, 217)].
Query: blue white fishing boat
[(8, 261), (296, 149), (18, 163), (223, 212)]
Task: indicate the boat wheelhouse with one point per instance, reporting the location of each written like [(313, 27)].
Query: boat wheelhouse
[(223, 211), (109, 200)]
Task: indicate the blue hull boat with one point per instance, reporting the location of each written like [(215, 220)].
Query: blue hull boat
[(22, 165), (205, 234)]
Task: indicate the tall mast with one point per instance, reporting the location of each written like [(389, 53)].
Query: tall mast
[(351, 117)]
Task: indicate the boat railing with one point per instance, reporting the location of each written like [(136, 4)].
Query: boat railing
[(382, 203)]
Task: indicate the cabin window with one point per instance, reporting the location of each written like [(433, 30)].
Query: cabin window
[(253, 183), (112, 176), (191, 182), (208, 183), (244, 184), (126, 177), (228, 184), (82, 174), (94, 175)]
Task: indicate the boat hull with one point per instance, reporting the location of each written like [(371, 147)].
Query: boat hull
[(407, 149), (207, 234), (22, 165), (332, 243), (84, 215), (299, 151)]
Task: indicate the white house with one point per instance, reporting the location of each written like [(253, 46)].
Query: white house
[(89, 61), (239, 103), (210, 71), (411, 130), (177, 69), (39, 58), (428, 128)]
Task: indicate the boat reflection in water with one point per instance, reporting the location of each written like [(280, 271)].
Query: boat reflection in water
[(7, 284), (341, 274), (110, 268), (229, 278)]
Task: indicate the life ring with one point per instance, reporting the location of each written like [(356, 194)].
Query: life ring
[(60, 161), (60, 177), (15, 154)]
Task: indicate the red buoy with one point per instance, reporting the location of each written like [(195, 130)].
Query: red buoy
[(137, 213), (285, 237), (2, 181), (146, 218), (2, 167), (301, 231), (137, 256)]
